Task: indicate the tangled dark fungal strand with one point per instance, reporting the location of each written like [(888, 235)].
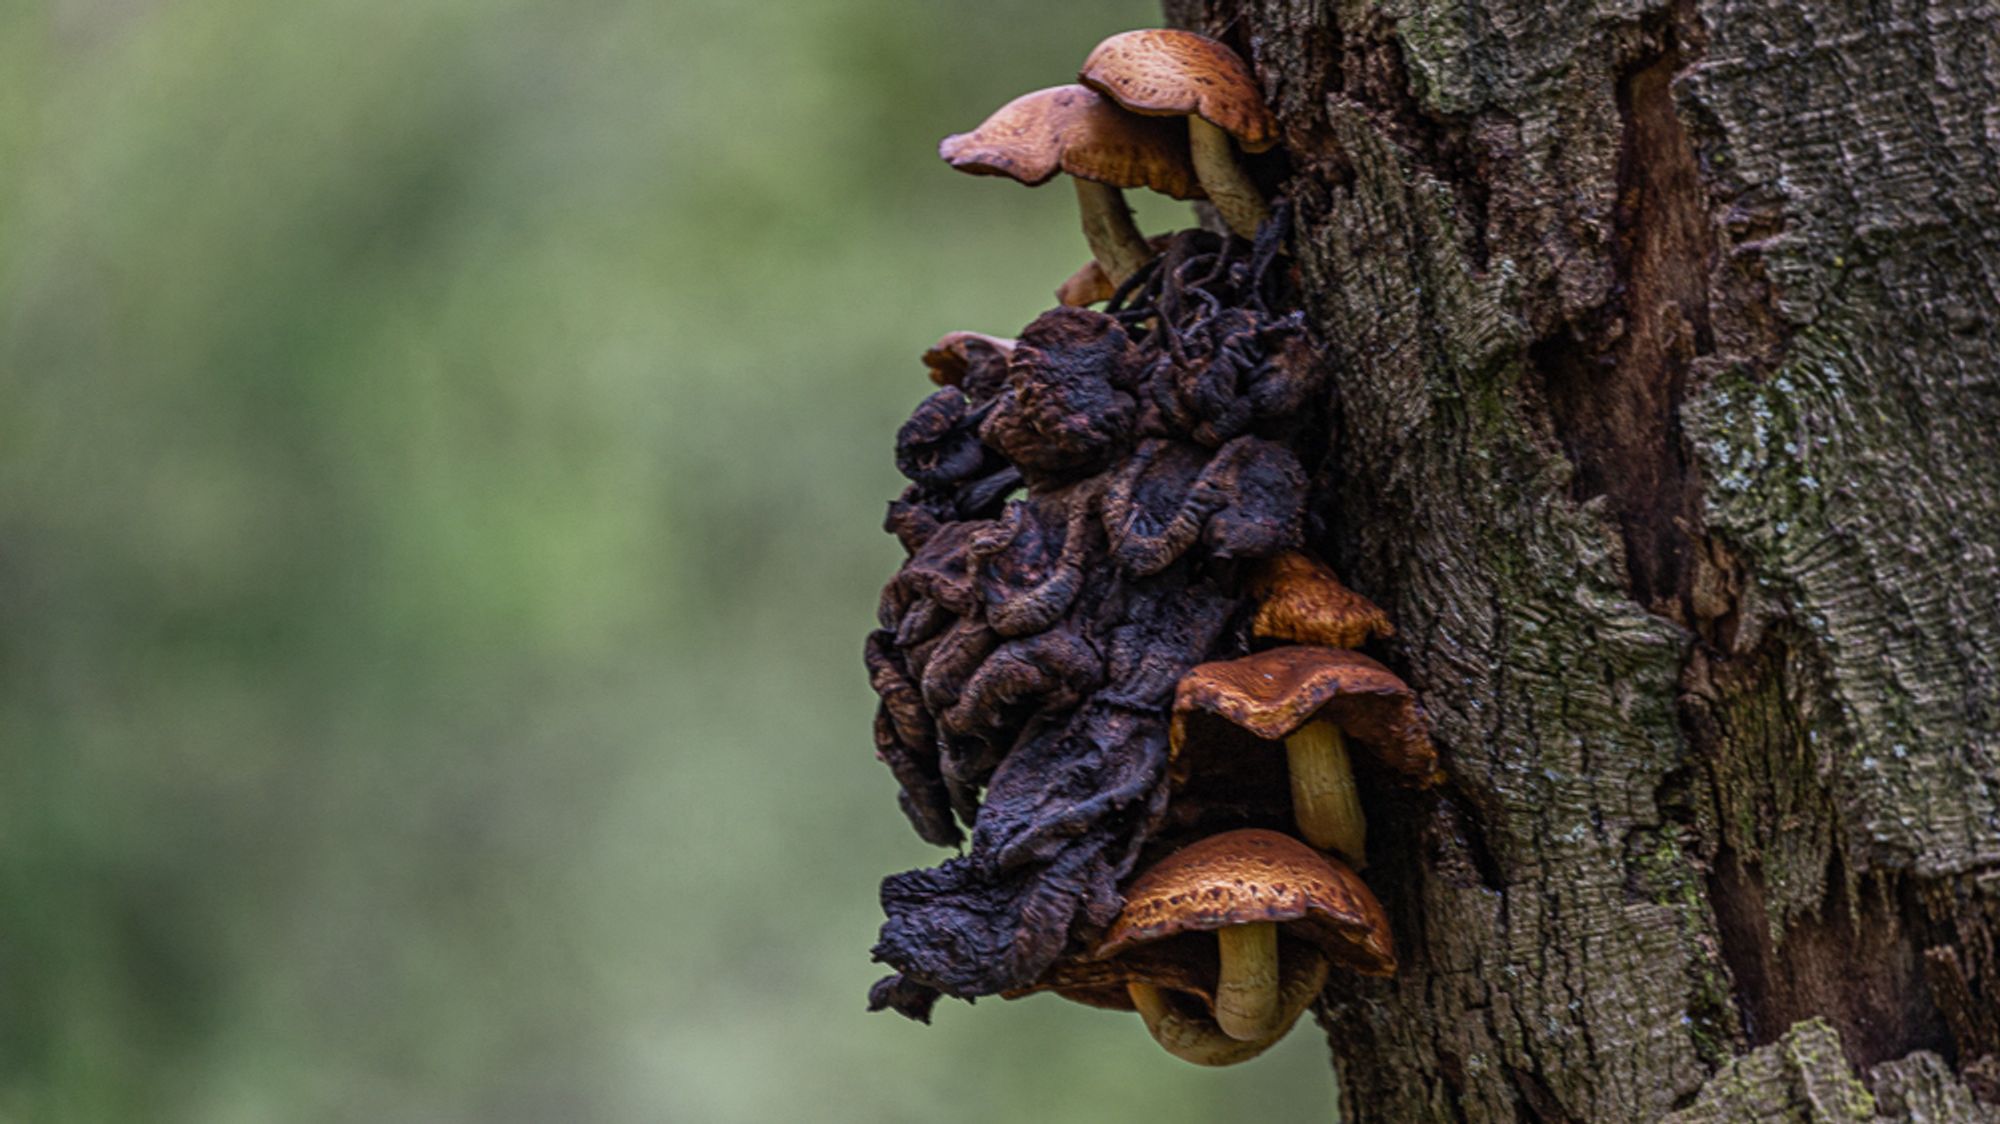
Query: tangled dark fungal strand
[(1082, 509)]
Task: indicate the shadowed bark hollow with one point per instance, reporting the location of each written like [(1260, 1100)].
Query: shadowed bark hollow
[(1667, 378)]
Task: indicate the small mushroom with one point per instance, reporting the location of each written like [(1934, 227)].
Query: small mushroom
[(1301, 600), (1166, 72), (957, 353), (1104, 149), (1313, 700), (1247, 887)]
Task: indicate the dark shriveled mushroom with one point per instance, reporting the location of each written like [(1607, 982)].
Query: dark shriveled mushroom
[(958, 354), (1030, 646)]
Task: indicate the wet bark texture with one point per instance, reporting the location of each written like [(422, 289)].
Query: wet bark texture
[(1668, 398)]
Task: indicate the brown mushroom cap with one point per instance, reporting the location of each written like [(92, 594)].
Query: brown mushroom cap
[(1272, 693), (953, 354), (1165, 72), (1251, 875), (1303, 601), (1071, 129)]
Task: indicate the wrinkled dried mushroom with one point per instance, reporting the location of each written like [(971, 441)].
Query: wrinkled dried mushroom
[(1081, 516), (957, 356)]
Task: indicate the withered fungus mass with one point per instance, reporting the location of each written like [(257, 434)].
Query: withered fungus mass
[(1079, 524)]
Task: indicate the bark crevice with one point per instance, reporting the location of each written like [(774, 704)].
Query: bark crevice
[(1615, 380)]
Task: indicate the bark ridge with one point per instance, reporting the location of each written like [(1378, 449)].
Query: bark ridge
[(1668, 391)]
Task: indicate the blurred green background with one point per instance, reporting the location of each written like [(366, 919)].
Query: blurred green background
[(444, 447)]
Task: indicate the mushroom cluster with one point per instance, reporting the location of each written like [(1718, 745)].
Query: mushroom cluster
[(1106, 655), (1115, 130)]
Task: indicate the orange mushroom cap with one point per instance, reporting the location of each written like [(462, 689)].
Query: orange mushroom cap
[(1166, 72), (1303, 601), (1251, 875), (1071, 129), (1270, 694)]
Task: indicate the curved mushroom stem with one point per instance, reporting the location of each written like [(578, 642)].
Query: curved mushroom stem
[(1193, 1038), (1107, 225), (1236, 199), (1246, 993), (1324, 800), (1190, 1038)]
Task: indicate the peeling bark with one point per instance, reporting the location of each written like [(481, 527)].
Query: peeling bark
[(1666, 348)]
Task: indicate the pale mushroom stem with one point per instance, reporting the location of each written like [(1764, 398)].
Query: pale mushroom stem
[(1236, 199), (1246, 993), (1107, 225), (1324, 800), (1190, 1038), (1194, 1038)]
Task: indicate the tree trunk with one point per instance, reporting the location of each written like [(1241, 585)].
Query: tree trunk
[(1669, 395)]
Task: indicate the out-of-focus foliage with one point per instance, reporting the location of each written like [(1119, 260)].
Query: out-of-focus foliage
[(442, 444)]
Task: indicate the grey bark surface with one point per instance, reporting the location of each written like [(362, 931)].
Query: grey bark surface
[(1669, 395)]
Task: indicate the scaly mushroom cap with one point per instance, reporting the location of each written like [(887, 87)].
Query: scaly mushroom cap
[(1272, 693), (955, 352), (1251, 875), (1164, 72), (1071, 129), (1302, 601)]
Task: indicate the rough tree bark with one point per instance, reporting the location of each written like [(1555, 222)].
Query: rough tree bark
[(1669, 397)]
